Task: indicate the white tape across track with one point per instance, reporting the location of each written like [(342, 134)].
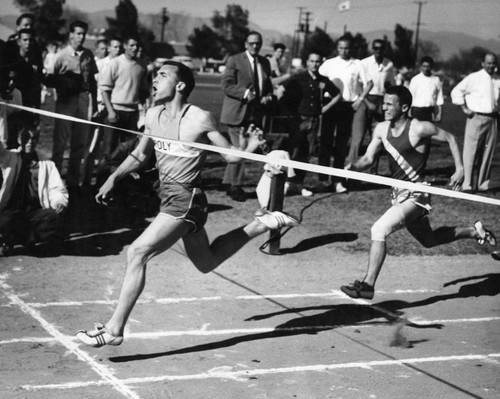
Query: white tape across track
[(347, 174)]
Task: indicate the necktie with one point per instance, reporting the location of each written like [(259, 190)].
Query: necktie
[(256, 78)]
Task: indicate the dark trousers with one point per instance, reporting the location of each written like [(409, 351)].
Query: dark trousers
[(304, 130), (18, 227), (425, 114), (337, 124), (112, 137)]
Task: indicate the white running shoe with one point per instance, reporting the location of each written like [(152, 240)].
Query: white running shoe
[(484, 234), (98, 337), (275, 220), (340, 189), (306, 193)]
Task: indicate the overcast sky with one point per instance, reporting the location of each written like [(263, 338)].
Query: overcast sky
[(476, 17)]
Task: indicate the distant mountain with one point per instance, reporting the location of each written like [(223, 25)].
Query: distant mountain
[(448, 42)]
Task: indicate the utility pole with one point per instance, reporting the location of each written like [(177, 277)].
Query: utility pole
[(296, 36), (420, 4), (306, 26), (164, 20)]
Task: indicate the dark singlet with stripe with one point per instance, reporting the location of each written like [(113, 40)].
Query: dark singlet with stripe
[(405, 162)]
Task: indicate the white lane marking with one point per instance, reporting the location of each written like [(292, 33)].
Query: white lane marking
[(237, 375), (334, 294), (206, 332), (104, 372)]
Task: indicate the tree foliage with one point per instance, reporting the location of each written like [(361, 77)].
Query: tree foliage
[(232, 28), (319, 42), (466, 61), (227, 36), (429, 48), (205, 43), (403, 51), (127, 23), (49, 22)]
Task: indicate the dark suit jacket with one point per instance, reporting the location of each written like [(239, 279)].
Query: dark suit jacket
[(237, 78)]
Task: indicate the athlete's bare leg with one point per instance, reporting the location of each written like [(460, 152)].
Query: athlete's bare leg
[(206, 257), (160, 235)]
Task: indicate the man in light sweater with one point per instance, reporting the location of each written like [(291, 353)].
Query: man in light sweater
[(123, 87)]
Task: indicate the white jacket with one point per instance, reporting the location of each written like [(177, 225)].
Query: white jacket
[(51, 189)]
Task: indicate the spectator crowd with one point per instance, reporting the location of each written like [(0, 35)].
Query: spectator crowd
[(327, 107)]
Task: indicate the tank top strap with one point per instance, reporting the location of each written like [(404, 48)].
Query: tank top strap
[(182, 114)]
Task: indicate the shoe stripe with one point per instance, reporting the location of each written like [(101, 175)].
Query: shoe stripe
[(100, 340)]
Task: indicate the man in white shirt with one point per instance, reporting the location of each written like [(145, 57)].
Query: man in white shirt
[(478, 94), (427, 92), (381, 72), (347, 116)]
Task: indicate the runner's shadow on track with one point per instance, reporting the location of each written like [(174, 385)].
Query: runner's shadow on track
[(319, 241), (488, 286), (99, 244), (334, 316)]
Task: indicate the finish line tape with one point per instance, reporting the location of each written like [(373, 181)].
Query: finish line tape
[(347, 174)]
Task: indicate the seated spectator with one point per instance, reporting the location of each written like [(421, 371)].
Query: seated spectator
[(9, 117), (32, 197)]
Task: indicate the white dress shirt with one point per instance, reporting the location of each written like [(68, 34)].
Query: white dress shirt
[(379, 74), (427, 91), (479, 91), (348, 75)]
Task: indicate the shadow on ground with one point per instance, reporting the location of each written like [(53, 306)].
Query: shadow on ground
[(96, 230), (334, 316)]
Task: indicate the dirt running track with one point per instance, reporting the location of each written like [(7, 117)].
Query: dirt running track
[(259, 327)]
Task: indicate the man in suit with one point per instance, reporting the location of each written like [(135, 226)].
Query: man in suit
[(247, 90)]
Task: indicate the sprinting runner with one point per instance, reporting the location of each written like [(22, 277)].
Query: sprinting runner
[(407, 143), (183, 207)]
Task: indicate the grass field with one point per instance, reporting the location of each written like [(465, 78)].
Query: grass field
[(260, 326), (365, 202)]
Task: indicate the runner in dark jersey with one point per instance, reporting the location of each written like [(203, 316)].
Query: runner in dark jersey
[(183, 208), (407, 142)]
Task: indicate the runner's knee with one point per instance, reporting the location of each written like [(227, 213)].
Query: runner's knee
[(380, 231), (138, 254)]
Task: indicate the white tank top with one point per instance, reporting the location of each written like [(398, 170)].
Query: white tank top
[(176, 163)]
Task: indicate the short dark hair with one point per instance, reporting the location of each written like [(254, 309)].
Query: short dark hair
[(131, 36), (402, 93), (25, 31), (279, 46), (78, 24), (254, 32), (378, 41), (427, 59), (489, 53), (23, 16), (185, 74), (316, 52), (344, 39), (101, 41)]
